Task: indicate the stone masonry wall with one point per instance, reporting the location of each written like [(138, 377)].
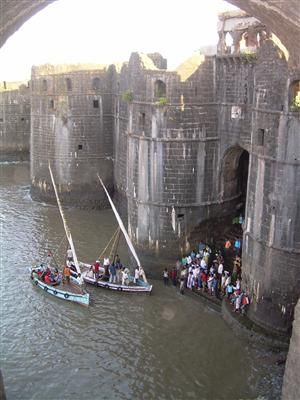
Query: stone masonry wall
[(291, 390), (14, 122), (172, 152), (272, 243), (72, 125)]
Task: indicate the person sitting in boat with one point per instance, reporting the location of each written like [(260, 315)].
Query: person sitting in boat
[(58, 277), (45, 272), (35, 273), (125, 276), (47, 277), (67, 273), (69, 254), (52, 277), (73, 270)]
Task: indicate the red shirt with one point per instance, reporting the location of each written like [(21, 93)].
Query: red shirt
[(203, 277), (96, 267)]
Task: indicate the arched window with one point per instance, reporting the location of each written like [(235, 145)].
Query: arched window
[(160, 89), (244, 42), (44, 85), (228, 43), (96, 84), (68, 84), (295, 96)]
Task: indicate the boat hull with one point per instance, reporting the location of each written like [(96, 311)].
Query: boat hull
[(141, 286), (57, 291)]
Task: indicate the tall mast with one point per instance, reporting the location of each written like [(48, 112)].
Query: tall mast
[(120, 222), (67, 230)]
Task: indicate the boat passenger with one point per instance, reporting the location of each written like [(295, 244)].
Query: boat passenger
[(117, 260), (106, 265), (125, 276), (112, 273), (95, 269), (52, 277), (73, 269), (47, 279), (69, 254), (142, 274), (35, 274), (58, 278), (136, 274), (67, 273)]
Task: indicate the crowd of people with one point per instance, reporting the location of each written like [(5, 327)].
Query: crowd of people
[(205, 271), (115, 272), (48, 275)]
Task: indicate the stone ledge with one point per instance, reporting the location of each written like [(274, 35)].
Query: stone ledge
[(240, 324)]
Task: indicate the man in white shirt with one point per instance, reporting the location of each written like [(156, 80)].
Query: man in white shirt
[(203, 264), (220, 269), (69, 254)]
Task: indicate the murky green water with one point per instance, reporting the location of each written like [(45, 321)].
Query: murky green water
[(163, 346)]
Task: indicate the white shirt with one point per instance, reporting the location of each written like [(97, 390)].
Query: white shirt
[(220, 269), (106, 261), (228, 280)]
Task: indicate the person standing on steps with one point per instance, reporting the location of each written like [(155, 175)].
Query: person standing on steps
[(181, 286), (166, 276)]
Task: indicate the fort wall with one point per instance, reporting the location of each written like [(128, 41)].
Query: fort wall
[(14, 121), (180, 147), (72, 125)]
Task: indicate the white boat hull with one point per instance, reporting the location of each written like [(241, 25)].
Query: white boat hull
[(139, 287), (57, 291)]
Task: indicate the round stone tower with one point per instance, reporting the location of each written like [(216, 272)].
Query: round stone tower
[(71, 128), (271, 250)]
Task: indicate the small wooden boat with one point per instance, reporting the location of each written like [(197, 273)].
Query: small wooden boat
[(138, 287), (73, 290), (62, 290), (132, 285)]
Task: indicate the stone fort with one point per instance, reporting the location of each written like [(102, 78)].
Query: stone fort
[(181, 147), (178, 148)]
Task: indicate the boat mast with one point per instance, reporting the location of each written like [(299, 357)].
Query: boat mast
[(67, 230), (120, 222)]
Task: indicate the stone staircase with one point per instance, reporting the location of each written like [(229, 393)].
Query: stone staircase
[(215, 232)]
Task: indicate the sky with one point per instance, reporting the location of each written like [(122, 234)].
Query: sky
[(107, 31)]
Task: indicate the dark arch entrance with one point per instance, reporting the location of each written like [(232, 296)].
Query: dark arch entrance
[(234, 183), (242, 177), (226, 221), (234, 176)]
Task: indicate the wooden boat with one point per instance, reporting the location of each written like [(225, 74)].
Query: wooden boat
[(140, 285), (63, 290), (73, 290)]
